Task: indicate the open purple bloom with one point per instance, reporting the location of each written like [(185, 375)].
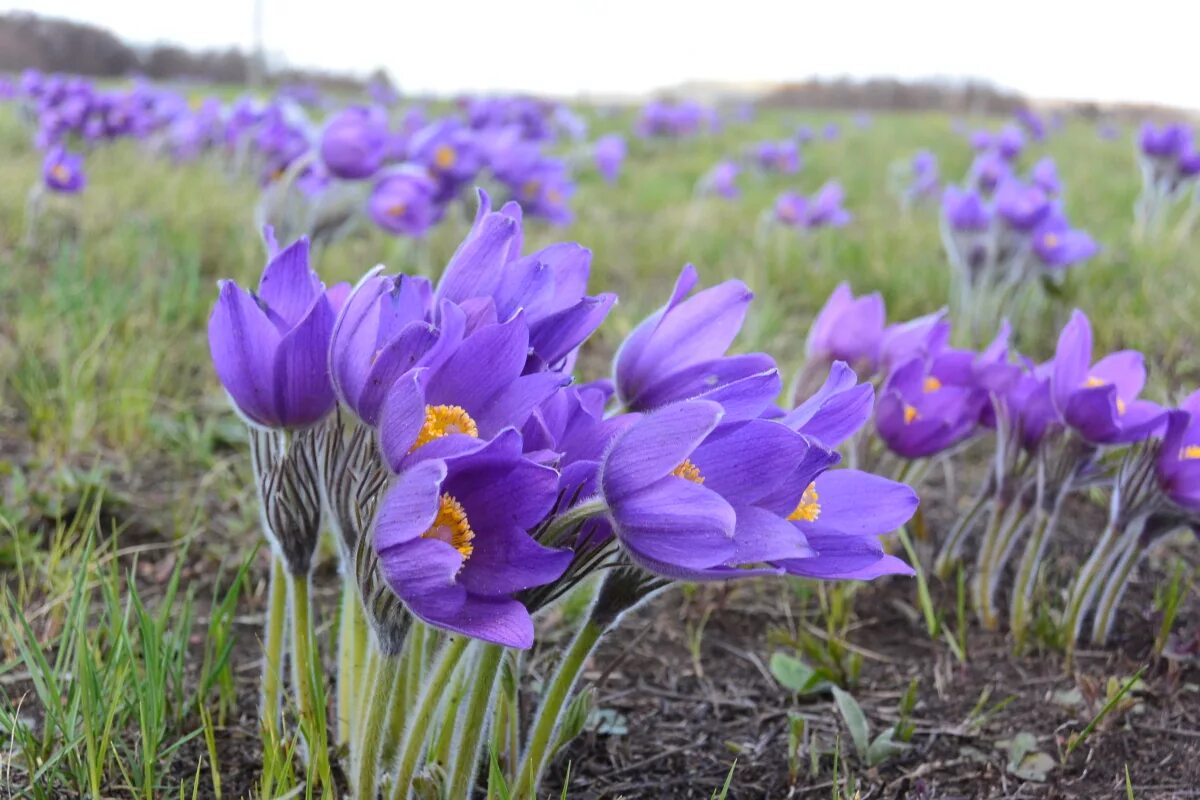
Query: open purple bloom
[(1058, 245), (450, 151), (403, 201), (1021, 206), (918, 416), (823, 209), (1099, 401), (989, 170), (965, 210), (62, 171), (1178, 464), (270, 348), (354, 141), (466, 399), (453, 541), (609, 152), (721, 180), (678, 353), (848, 329), (1010, 142), (782, 156), (1044, 175)]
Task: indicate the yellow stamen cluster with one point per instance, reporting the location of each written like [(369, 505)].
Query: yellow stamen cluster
[(60, 173), (809, 507), (530, 189), (443, 421), (397, 210), (688, 471), (1192, 451), (932, 384), (444, 157), (452, 527), (910, 414), (1050, 240)]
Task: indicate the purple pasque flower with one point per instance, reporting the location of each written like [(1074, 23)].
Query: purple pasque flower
[(488, 274), (782, 156), (980, 140), (609, 153), (1044, 175), (918, 416), (270, 348), (965, 210), (721, 180), (678, 353), (691, 499), (1022, 206), (1178, 464), (924, 337), (353, 144), (450, 151), (62, 171), (925, 177), (403, 201), (453, 542), (1032, 123), (1166, 142), (545, 191), (1099, 401), (1010, 142), (848, 329), (1058, 245), (464, 399), (836, 411), (823, 209), (989, 170)]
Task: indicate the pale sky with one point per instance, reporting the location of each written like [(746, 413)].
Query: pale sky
[(1101, 50)]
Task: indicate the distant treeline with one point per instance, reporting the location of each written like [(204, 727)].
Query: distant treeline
[(56, 45), (885, 94)]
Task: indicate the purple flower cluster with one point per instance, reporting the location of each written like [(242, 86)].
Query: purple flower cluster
[(662, 119), (510, 482), (823, 209), (1170, 163), (782, 157)]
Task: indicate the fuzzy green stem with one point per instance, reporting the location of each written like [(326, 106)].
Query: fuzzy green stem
[(350, 621), (554, 702), (367, 687), (306, 678), (440, 752), (1083, 589), (1001, 522), (387, 676), (474, 723), (274, 633), (1110, 599), (401, 705), (418, 723), (1027, 573), (951, 550)]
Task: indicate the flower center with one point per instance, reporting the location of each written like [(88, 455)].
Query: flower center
[(688, 471), (910, 414), (444, 157), (1191, 452), (808, 509), (931, 384), (60, 173), (1093, 382), (443, 421), (1050, 240), (452, 527), (397, 210), (530, 188)]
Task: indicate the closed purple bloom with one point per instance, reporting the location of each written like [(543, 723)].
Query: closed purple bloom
[(270, 348), (1178, 463), (62, 171), (721, 180), (404, 201), (917, 416), (1032, 123), (965, 210), (453, 541), (1044, 175), (679, 353), (1010, 142), (1099, 401), (609, 152), (981, 140), (1166, 142), (1021, 206), (848, 329), (353, 142), (782, 156), (989, 170), (823, 209)]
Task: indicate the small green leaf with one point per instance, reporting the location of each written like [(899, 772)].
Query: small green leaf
[(796, 676), (856, 721), (884, 748)]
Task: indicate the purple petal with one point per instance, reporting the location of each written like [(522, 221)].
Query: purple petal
[(288, 285), (303, 391), (859, 503), (1072, 357), (748, 461), (242, 342), (677, 522), (654, 445), (409, 507)]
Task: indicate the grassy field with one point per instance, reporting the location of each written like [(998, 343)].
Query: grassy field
[(128, 512)]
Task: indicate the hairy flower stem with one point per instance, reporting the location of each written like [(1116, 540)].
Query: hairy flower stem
[(1001, 522), (440, 752), (951, 550), (550, 711), (1120, 567), (388, 676), (474, 723), (307, 679), (1083, 588), (1045, 521), (274, 633), (417, 724), (351, 629)]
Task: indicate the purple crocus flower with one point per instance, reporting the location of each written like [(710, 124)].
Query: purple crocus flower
[(836, 411), (1099, 401), (721, 180), (1010, 142), (965, 210), (450, 152), (270, 348), (1178, 463), (848, 329), (924, 337), (981, 140), (404, 201), (1058, 245), (1166, 142), (453, 541), (692, 500), (1032, 123), (678, 352), (465, 399), (1023, 207), (918, 416), (782, 157), (989, 170), (354, 141), (1044, 175), (823, 209), (62, 171), (609, 152)]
